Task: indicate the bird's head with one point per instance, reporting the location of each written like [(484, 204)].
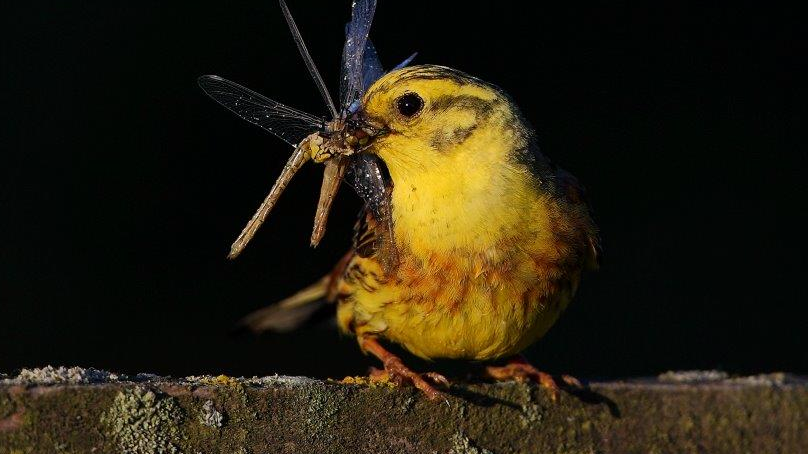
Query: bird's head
[(434, 118), (452, 144)]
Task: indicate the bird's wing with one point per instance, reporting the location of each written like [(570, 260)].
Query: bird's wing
[(290, 313), (366, 235), (575, 194), (374, 230), (304, 307)]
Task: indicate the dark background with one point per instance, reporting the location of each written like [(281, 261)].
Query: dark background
[(122, 186)]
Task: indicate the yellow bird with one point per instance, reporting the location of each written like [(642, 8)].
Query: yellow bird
[(485, 241)]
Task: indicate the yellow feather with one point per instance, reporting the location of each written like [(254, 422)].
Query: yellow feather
[(488, 259)]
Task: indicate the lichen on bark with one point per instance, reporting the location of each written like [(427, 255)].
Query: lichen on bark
[(144, 422), (683, 413)]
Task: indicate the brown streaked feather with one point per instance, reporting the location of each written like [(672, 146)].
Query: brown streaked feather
[(374, 239), (365, 235), (336, 276)]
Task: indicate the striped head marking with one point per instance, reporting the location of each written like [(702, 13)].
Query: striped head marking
[(432, 112)]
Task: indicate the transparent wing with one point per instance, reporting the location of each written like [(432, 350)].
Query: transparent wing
[(287, 123), (351, 84), (304, 52)]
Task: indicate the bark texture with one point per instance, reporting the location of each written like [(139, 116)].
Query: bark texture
[(58, 410)]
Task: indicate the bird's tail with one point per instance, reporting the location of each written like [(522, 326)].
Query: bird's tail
[(290, 313)]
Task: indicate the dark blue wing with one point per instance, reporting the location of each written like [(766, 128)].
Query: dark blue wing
[(372, 68), (368, 180), (351, 85), (360, 62), (406, 61)]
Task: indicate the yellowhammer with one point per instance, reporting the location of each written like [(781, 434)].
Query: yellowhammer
[(471, 243)]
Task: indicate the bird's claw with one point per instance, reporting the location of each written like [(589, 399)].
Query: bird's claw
[(571, 381), (437, 379), (522, 371), (396, 372)]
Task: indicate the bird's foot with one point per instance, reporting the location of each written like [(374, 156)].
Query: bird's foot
[(396, 372), (520, 370)]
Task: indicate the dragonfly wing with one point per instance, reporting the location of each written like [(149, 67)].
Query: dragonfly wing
[(369, 182), (372, 68), (406, 62), (304, 52), (351, 84), (286, 123)]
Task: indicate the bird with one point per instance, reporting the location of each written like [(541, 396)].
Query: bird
[(481, 246)]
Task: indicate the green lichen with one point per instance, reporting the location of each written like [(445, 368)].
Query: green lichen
[(407, 404), (143, 422), (692, 376), (321, 409), (236, 384), (291, 415), (211, 417), (7, 407), (461, 444), (50, 375), (531, 412)]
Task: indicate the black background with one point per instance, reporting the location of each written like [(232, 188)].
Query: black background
[(122, 186)]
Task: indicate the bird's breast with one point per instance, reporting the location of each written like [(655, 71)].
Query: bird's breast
[(483, 269), (468, 304)]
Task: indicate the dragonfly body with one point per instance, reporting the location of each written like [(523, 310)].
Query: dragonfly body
[(338, 138), (329, 142)]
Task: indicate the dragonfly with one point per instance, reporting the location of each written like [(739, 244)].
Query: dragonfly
[(337, 143)]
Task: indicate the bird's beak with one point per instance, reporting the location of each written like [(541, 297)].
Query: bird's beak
[(365, 129)]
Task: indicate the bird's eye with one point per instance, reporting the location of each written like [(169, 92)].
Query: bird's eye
[(409, 104)]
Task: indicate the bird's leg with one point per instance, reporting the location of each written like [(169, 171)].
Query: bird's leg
[(520, 370), (396, 371)]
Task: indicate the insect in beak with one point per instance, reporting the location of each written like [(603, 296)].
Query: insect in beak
[(335, 143), (334, 151), (295, 162), (358, 135), (332, 179)]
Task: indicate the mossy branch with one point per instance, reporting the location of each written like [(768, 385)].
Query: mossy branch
[(81, 411)]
